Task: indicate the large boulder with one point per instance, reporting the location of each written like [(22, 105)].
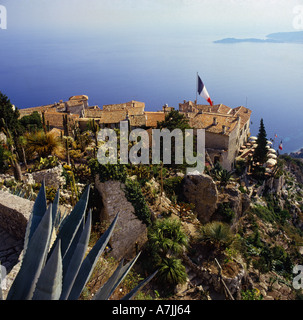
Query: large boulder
[(130, 234), (52, 177), (201, 190), (14, 214), (239, 202)]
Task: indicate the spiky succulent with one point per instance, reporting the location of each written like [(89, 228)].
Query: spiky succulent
[(60, 270)]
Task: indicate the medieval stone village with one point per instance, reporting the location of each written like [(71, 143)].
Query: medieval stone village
[(227, 129), (234, 232)]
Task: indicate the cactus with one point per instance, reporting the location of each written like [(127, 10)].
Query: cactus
[(65, 124), (60, 271)]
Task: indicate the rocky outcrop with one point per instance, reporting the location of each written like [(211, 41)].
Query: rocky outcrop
[(14, 214), (232, 274), (239, 202), (130, 233), (201, 190), (53, 177), (275, 185)]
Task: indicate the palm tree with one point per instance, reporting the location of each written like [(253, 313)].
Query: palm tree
[(224, 177), (166, 237), (44, 144), (171, 271), (167, 241), (217, 233)]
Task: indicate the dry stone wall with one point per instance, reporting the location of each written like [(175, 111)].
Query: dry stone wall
[(14, 214), (130, 233), (53, 177)]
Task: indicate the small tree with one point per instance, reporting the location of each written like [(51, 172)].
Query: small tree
[(174, 120), (260, 154), (31, 122), (9, 115)]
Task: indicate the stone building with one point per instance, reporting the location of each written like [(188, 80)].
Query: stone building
[(226, 129), (76, 107)]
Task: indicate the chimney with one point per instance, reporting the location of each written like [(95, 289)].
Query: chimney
[(215, 122)]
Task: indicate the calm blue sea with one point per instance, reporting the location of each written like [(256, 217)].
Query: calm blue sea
[(39, 69)]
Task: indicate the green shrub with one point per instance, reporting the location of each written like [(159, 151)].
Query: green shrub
[(217, 233), (173, 186), (108, 171), (134, 194), (253, 294), (171, 271), (226, 212)]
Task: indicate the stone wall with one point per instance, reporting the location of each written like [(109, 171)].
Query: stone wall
[(53, 177), (55, 119), (130, 233), (125, 106), (14, 214)]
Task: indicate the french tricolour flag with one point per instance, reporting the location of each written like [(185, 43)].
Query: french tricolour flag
[(203, 92)]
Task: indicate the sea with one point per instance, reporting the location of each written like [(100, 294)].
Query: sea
[(40, 68)]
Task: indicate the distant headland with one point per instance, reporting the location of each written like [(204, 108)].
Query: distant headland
[(279, 37)]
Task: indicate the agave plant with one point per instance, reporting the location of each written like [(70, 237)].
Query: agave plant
[(60, 270)]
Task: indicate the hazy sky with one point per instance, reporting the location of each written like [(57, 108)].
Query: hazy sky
[(217, 16)]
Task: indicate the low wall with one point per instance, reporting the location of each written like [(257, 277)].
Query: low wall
[(130, 234), (14, 214)]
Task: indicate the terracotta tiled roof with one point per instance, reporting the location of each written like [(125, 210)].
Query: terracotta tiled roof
[(79, 97), (225, 124), (244, 114), (112, 116), (217, 108), (93, 113), (73, 103), (152, 118)]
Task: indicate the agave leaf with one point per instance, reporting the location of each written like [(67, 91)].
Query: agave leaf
[(56, 207), (77, 258), (49, 285), (1, 295), (143, 283), (38, 212), (90, 261), (33, 260), (72, 223), (69, 254), (112, 283)]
